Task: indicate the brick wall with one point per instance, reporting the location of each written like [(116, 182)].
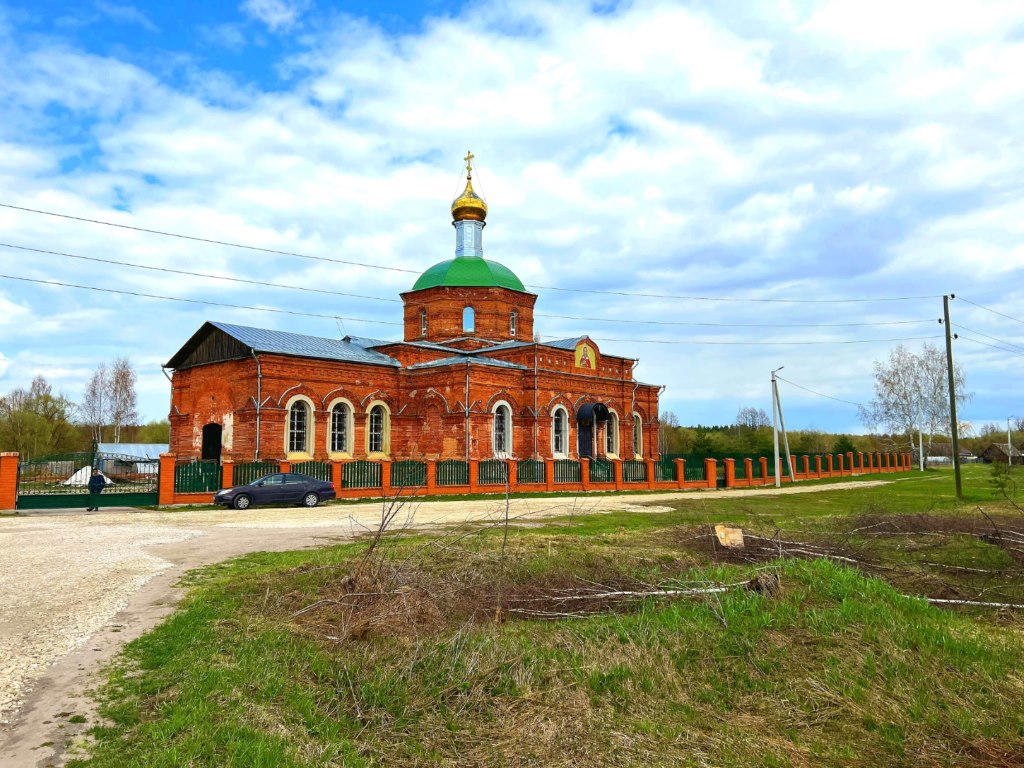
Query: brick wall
[(444, 306)]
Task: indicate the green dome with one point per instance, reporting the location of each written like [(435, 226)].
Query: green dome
[(469, 272)]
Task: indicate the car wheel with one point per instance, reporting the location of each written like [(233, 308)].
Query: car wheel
[(310, 500), (242, 501)]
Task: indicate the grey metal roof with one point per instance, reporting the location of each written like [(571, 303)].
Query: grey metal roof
[(564, 343), (135, 450), (373, 343), (463, 360), (284, 343)]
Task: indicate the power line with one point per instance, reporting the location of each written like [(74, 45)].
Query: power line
[(987, 309), (263, 283), (733, 325), (815, 392), (208, 240), (766, 343), (196, 301), (198, 274), (386, 322), (993, 338), (412, 271), (993, 346)]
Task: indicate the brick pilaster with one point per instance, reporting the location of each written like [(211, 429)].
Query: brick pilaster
[(8, 480)]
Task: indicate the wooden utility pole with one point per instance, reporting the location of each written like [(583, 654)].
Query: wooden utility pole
[(954, 431)]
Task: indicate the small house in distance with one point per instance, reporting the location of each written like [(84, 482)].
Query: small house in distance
[(998, 452)]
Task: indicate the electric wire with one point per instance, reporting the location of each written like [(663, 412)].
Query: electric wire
[(263, 283), (993, 346), (992, 338), (765, 343), (819, 394), (196, 301), (206, 275), (140, 294), (988, 309), (412, 271)]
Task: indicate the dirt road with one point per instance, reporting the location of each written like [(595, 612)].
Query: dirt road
[(75, 587)]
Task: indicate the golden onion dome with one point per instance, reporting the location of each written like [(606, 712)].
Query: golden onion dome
[(469, 205)]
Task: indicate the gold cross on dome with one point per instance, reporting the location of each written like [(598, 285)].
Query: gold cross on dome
[(469, 162)]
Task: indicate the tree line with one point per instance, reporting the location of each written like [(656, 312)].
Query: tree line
[(39, 422)]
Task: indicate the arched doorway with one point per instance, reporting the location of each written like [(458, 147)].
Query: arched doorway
[(211, 442), (587, 419)]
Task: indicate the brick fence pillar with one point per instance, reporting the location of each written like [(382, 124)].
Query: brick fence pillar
[(849, 461), (817, 467), (748, 471), (165, 490), (878, 461), (829, 459), (764, 469), (284, 466), (336, 475), (651, 474), (807, 465), (730, 473), (585, 472), (513, 473), (385, 478), (617, 474), (680, 473), (711, 472), (227, 473), (549, 474), (8, 480), (474, 475), (842, 463)]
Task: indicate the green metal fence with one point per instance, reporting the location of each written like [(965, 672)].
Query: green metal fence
[(63, 474), (409, 474), (567, 471), (321, 470), (530, 471), (634, 471), (492, 472), (251, 471), (741, 470), (361, 474), (694, 472), (452, 472), (665, 470), (197, 477), (602, 471)]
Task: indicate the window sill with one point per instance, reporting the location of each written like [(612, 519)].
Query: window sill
[(335, 456), (292, 456)]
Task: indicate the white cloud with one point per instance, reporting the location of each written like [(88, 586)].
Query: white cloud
[(652, 148), (276, 14), (127, 14)]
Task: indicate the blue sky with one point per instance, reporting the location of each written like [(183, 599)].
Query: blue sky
[(825, 151)]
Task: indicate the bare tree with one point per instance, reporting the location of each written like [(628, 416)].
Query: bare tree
[(95, 408), (911, 392), (123, 402), (752, 418)]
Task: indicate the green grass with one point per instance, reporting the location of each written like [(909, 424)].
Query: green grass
[(841, 669)]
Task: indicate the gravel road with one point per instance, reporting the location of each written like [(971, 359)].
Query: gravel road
[(74, 587)]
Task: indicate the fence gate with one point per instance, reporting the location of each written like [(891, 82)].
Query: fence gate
[(55, 482)]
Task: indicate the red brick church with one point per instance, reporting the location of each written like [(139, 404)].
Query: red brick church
[(467, 381)]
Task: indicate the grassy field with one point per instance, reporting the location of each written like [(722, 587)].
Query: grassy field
[(538, 645)]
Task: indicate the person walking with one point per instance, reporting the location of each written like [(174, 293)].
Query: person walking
[(96, 485)]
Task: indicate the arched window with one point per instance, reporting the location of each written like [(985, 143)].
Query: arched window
[(638, 435), (513, 321), (341, 414), (423, 322), (560, 432), (611, 434), (377, 429), (468, 320), (502, 431), (298, 427)]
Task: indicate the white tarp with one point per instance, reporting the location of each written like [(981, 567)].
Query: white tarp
[(81, 478)]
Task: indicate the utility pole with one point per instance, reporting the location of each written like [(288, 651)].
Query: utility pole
[(952, 395), (775, 424), (1009, 444)]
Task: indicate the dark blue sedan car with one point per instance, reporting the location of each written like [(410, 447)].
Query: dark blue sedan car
[(280, 489)]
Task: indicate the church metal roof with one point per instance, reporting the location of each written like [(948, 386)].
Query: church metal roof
[(487, 361), (474, 272), (283, 343)]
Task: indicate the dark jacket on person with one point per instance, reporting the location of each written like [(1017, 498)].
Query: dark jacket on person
[(97, 483)]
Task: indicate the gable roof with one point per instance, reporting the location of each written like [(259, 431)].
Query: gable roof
[(248, 340)]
